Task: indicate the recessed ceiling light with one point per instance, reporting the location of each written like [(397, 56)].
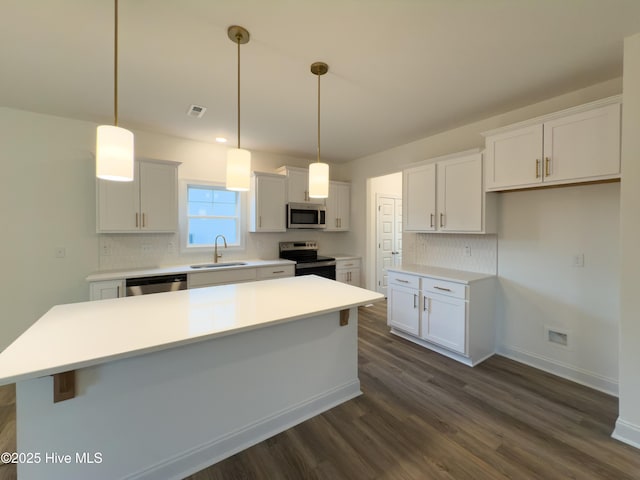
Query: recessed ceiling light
[(221, 140)]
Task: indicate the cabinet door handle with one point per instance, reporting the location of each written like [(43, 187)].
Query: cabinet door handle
[(415, 299), (336, 223), (137, 220), (537, 168), (278, 271), (424, 303), (306, 196), (118, 291), (442, 288), (259, 221), (547, 163), (340, 222), (348, 264), (402, 281), (144, 223), (442, 219), (348, 276), (432, 218)]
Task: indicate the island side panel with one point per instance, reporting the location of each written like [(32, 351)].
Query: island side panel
[(171, 413)]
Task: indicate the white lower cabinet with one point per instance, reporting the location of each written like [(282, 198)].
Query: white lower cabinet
[(348, 271), (444, 322), (106, 289), (220, 277), (278, 271), (454, 318), (403, 310)]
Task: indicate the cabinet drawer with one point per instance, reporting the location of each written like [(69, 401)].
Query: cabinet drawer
[(347, 264), (276, 271), (444, 287), (219, 277), (404, 279)]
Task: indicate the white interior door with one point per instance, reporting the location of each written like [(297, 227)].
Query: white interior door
[(388, 237)]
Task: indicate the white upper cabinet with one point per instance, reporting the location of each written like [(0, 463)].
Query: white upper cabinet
[(448, 196), (577, 145), (338, 207), (268, 203), (460, 194), (148, 204), (419, 198), (298, 185)]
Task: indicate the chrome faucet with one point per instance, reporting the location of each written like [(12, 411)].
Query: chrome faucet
[(215, 248)]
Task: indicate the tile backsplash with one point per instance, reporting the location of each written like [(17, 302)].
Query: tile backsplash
[(476, 253), (131, 251)]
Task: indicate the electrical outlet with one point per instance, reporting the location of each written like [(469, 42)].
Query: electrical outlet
[(147, 248), (171, 247), (467, 251), (105, 249), (578, 260), (61, 252)]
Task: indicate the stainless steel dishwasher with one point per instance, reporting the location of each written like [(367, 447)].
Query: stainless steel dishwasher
[(155, 284)]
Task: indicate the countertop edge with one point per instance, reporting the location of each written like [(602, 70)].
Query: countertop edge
[(178, 269), (440, 273)]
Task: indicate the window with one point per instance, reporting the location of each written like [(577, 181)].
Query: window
[(211, 210)]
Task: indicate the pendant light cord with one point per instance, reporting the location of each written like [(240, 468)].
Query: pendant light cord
[(115, 68), (238, 41), (318, 118)]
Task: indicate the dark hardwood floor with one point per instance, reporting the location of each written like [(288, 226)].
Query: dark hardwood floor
[(424, 416)]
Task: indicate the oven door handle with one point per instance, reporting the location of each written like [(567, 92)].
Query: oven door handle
[(328, 263)]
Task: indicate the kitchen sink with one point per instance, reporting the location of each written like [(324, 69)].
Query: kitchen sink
[(216, 265)]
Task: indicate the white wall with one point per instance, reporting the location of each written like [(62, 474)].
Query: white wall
[(540, 232), (47, 193), (572, 286), (628, 424)]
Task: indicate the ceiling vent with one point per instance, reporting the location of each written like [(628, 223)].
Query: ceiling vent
[(196, 111)]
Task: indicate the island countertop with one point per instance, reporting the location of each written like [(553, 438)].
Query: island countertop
[(79, 335)]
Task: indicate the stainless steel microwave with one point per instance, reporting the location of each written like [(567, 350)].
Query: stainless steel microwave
[(306, 215)]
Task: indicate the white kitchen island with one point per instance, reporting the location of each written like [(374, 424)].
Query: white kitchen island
[(170, 383)]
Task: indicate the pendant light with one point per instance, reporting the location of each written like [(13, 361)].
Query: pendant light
[(114, 145), (318, 171), (238, 159)]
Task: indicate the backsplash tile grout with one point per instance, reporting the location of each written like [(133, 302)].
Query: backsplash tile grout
[(448, 251)]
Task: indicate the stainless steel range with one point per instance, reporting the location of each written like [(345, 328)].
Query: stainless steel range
[(308, 262)]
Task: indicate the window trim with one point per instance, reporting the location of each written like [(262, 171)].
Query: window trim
[(184, 218)]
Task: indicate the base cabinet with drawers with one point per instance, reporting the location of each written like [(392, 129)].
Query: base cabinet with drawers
[(114, 288), (453, 316), (348, 271)]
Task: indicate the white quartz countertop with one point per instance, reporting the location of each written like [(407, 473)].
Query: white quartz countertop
[(461, 276), (172, 270), (79, 335)]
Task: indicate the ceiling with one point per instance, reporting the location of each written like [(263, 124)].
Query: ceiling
[(399, 70)]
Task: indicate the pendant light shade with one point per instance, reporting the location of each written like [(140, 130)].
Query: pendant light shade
[(114, 153), (318, 171), (238, 169), (318, 180), (114, 145), (238, 159)]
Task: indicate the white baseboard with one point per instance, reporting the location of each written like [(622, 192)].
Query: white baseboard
[(209, 453), (470, 362), (627, 432), (583, 377)]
